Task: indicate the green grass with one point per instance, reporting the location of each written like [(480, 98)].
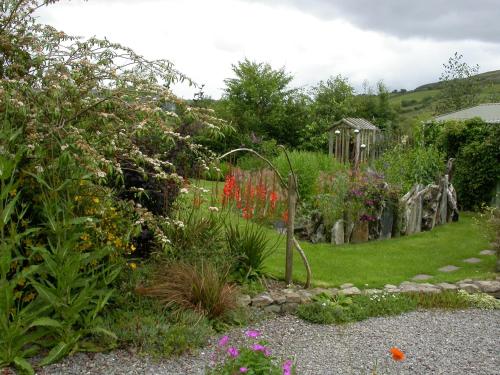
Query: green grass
[(376, 263)]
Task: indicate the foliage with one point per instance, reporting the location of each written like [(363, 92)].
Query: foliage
[(145, 325), (332, 101), (403, 166), (92, 148), (307, 167), (475, 146), (261, 104), (340, 309), (249, 246), (480, 300), (460, 86), (201, 287), (256, 358)]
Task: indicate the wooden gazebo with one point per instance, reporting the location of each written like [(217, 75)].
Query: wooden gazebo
[(352, 140)]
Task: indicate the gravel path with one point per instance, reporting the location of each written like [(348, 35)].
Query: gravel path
[(435, 342)]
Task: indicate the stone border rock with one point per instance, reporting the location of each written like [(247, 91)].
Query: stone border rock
[(287, 300)]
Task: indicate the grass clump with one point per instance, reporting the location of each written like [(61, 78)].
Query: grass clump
[(199, 287)]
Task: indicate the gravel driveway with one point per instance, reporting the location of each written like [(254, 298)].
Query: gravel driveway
[(435, 342)]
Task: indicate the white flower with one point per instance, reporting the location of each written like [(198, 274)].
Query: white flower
[(39, 168), (184, 191), (101, 174), (213, 209), (64, 147)]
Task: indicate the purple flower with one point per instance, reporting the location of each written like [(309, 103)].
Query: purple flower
[(223, 340), (243, 369), (258, 348), (287, 367), (252, 334), (233, 352)]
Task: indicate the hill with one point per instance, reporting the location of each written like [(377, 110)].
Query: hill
[(421, 102)]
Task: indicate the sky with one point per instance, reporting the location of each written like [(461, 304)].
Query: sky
[(402, 42)]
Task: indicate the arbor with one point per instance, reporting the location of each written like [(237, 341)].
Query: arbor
[(260, 103), (460, 87)]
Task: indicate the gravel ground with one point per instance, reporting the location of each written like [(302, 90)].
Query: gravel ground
[(435, 342)]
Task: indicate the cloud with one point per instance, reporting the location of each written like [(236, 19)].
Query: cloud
[(435, 19), (204, 38)]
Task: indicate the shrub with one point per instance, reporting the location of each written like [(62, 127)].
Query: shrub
[(405, 166), (249, 247), (200, 287), (307, 166)]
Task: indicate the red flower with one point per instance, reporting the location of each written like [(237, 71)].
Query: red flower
[(273, 198), (397, 354), (285, 216)]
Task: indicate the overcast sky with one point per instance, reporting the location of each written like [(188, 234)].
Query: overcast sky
[(402, 42)]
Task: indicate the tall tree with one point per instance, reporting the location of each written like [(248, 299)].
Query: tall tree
[(460, 86), (261, 103)]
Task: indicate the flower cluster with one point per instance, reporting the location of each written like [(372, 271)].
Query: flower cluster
[(255, 195), (255, 358)]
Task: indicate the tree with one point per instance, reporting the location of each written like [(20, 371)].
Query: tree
[(332, 100), (261, 104), (460, 86)]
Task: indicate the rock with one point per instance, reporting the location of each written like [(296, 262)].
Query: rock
[(275, 309), (278, 297), (408, 287), (489, 286), (350, 291), (390, 286), (289, 307), (422, 277), (487, 252), (471, 288), (360, 232), (337, 233), (371, 291), (386, 222), (262, 300), (319, 234), (447, 286), (346, 285), (316, 291), (449, 268), (334, 291), (292, 297), (243, 300), (305, 296), (472, 260), (428, 288)]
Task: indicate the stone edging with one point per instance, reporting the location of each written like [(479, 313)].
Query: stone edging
[(287, 300)]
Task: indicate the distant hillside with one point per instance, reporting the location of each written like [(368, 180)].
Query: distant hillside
[(421, 102)]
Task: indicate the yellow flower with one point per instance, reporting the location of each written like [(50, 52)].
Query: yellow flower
[(95, 200), (132, 248), (132, 266), (77, 198), (13, 193)]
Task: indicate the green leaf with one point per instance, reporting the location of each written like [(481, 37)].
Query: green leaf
[(57, 352), (46, 322), (9, 209), (23, 365), (103, 331), (46, 294)]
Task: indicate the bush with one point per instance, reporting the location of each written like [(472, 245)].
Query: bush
[(405, 166), (307, 166), (200, 287), (249, 247)]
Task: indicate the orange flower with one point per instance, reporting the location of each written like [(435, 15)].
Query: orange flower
[(397, 354)]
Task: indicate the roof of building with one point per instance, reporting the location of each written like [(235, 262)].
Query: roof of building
[(489, 113), (356, 123)]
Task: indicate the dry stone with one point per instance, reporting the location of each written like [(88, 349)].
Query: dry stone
[(243, 300), (351, 291), (273, 309), (292, 297), (337, 235), (447, 286), (489, 286), (468, 287), (262, 300), (346, 285), (289, 307), (449, 268), (487, 252), (472, 260), (422, 277)]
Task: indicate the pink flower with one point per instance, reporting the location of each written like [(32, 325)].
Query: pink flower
[(258, 348), (223, 340), (233, 352), (243, 369), (252, 334), (287, 367)]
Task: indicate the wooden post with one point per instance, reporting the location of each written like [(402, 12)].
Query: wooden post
[(330, 143), (292, 200)]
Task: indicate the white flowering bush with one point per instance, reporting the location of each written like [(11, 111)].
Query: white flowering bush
[(93, 152)]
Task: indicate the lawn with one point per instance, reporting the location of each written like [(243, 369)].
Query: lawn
[(376, 263)]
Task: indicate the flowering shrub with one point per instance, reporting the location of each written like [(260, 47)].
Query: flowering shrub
[(254, 358)]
